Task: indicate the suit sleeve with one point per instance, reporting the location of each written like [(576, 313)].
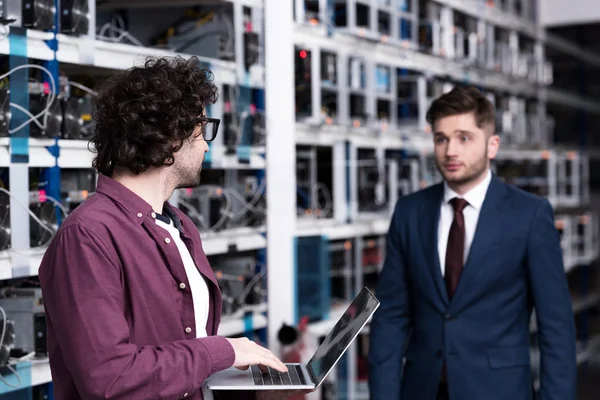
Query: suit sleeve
[(553, 305), (390, 326), (84, 301)]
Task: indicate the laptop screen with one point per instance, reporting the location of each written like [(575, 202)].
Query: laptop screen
[(342, 335)]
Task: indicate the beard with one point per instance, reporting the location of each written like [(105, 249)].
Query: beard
[(470, 173), (189, 178)]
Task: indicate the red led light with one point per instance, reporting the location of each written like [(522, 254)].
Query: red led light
[(303, 54)]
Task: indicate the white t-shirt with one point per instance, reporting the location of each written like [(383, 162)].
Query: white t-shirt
[(196, 281)]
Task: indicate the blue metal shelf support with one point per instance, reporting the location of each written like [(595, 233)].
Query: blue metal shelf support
[(52, 175)]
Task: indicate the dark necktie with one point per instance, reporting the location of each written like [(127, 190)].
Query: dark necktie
[(456, 246), (455, 252)]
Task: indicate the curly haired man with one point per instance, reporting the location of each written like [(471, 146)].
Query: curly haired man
[(132, 305)]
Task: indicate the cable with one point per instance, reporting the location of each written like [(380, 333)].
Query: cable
[(116, 25), (246, 206), (16, 374), (44, 112), (4, 33), (229, 32), (51, 98), (255, 279), (29, 114), (225, 212), (259, 192), (122, 34), (84, 88), (249, 205), (194, 213), (241, 299), (195, 39), (3, 326), (58, 204), (26, 357), (35, 217), (10, 368)]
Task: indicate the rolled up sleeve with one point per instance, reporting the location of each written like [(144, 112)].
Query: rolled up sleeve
[(84, 299)]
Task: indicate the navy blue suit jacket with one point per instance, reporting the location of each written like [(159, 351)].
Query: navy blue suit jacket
[(515, 263)]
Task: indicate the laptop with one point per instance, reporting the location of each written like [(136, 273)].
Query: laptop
[(303, 376)]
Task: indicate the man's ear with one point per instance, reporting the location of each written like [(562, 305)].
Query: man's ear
[(493, 146)]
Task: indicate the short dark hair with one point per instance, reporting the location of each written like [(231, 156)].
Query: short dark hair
[(463, 100), (144, 115)]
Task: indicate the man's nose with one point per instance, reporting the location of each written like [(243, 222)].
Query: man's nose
[(452, 148)]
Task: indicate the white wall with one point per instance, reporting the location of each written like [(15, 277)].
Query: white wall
[(568, 12)]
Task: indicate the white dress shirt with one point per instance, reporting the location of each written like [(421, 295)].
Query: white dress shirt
[(475, 198), (198, 285)]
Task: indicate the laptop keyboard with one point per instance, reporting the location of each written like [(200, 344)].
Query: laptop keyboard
[(294, 376)]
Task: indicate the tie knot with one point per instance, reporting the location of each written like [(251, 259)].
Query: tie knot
[(458, 204)]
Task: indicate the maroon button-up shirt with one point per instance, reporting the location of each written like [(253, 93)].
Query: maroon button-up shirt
[(117, 314)]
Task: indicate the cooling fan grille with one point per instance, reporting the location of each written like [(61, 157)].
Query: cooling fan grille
[(44, 12), (76, 17)]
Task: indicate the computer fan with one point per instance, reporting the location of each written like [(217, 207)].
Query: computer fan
[(4, 111), (51, 120), (75, 17), (4, 221), (33, 14), (46, 212), (78, 122)]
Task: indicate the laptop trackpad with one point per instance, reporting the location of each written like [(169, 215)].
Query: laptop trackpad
[(229, 378)]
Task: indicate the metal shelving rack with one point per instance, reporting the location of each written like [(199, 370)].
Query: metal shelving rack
[(398, 138), (504, 54), (19, 153)]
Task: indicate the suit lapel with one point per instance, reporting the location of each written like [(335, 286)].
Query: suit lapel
[(486, 233), (429, 214)]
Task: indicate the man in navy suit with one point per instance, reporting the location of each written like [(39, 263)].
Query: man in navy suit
[(467, 261)]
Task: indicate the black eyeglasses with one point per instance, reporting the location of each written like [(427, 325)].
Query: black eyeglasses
[(210, 127)]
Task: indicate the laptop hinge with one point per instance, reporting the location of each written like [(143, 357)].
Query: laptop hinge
[(311, 374)]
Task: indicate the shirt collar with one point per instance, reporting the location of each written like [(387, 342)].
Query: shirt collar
[(131, 202), (475, 196), (169, 211)]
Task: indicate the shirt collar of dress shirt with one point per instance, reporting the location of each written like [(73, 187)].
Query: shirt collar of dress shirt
[(475, 196)]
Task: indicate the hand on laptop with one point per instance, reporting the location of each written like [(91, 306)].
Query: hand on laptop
[(248, 353), (280, 394)]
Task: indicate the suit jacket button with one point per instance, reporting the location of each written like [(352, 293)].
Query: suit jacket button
[(438, 354), (448, 317)]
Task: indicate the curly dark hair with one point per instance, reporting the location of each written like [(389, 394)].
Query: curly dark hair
[(144, 114), (462, 100)]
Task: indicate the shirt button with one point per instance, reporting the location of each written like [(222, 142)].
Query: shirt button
[(188, 329), (182, 285), (140, 215), (153, 215), (167, 240)]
